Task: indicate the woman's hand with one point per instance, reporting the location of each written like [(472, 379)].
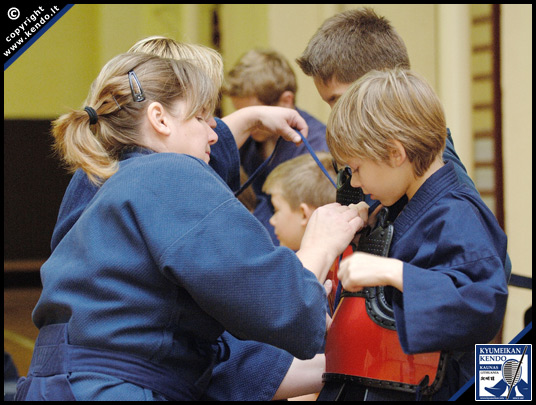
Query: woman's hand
[(276, 120), (329, 232)]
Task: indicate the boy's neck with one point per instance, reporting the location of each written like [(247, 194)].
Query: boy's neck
[(419, 181), (267, 147)]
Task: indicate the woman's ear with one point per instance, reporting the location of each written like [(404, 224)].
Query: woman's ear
[(159, 118), (398, 154)]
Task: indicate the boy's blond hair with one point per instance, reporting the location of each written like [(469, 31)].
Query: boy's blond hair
[(350, 44), (300, 180), (202, 56), (384, 106), (265, 74)]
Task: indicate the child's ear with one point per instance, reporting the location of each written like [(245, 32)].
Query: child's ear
[(306, 211), (398, 154), (158, 118), (286, 99)]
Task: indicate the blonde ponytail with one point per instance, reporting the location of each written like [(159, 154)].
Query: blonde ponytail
[(79, 147), (92, 139)]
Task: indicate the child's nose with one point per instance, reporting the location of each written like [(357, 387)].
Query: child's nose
[(354, 182)]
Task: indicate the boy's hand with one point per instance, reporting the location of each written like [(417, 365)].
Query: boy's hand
[(366, 270)]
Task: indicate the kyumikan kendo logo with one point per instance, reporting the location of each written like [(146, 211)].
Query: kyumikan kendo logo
[(503, 372)]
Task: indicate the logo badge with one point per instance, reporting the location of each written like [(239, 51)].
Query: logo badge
[(503, 372)]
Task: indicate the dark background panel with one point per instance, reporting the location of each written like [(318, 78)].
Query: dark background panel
[(34, 184)]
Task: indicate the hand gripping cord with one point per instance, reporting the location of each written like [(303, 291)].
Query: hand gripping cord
[(263, 166)]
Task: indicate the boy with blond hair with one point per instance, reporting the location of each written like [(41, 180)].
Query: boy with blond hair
[(265, 77), (348, 45), (297, 187), (445, 267)]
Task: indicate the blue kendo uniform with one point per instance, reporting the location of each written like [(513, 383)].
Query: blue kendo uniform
[(251, 159), (137, 292), (249, 370), (461, 364), (455, 291), (245, 370)]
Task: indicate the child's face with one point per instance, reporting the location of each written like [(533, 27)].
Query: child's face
[(383, 181), (289, 225), (247, 101), (194, 136), (330, 91)]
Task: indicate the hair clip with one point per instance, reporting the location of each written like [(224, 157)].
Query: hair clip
[(116, 103), (137, 94)]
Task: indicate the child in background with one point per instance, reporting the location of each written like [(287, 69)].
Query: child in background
[(265, 78), (446, 267), (297, 187)]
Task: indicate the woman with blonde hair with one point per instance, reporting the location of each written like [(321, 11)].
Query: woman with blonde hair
[(232, 130)]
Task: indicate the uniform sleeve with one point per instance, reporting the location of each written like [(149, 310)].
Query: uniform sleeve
[(454, 289), (224, 158), (247, 371), (207, 242), (458, 312), (450, 155), (255, 290)]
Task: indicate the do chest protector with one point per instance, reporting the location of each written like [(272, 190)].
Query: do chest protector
[(362, 345)]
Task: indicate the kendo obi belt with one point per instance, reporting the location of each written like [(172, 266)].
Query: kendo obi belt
[(362, 344), (55, 358)]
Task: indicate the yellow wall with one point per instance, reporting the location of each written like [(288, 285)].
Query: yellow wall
[(55, 73), (516, 67), (290, 26)]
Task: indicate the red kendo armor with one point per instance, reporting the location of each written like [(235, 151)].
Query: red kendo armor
[(332, 275), (362, 344)]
